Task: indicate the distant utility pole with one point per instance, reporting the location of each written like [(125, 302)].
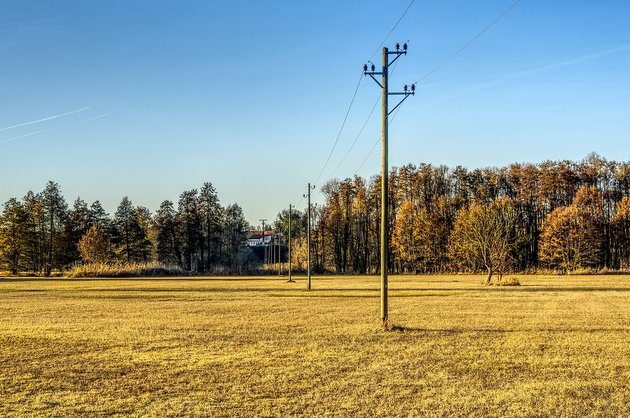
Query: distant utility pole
[(263, 241), (385, 112), (308, 236), (290, 278), (279, 254)]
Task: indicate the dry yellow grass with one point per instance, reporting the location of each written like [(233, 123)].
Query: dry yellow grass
[(555, 346)]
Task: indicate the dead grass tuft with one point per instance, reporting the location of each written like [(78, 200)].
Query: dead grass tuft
[(125, 270)]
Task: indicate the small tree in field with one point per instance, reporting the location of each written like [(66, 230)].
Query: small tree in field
[(485, 236), (94, 246)]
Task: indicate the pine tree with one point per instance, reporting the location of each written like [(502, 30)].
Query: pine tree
[(55, 213), (13, 233), (211, 213), (166, 235), (130, 239)]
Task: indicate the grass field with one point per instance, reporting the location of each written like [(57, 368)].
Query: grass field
[(261, 346)]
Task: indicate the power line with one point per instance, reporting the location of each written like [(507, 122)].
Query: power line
[(378, 99), (376, 143), (473, 39), (426, 21), (424, 24), (357, 88), (441, 64), (357, 137), (354, 96), (392, 29), (300, 203), (345, 119)]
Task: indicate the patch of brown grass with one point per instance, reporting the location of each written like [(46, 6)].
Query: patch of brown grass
[(554, 346)]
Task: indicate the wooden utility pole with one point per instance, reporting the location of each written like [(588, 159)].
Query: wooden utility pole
[(308, 237), (384, 190), (263, 240), (290, 278), (385, 112)]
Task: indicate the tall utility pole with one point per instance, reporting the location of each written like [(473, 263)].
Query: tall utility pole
[(263, 241), (308, 236), (385, 112), (290, 216), (279, 254)]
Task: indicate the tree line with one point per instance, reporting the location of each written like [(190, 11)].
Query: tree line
[(559, 215), (40, 233)]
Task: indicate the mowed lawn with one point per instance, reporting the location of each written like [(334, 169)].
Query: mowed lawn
[(556, 346)]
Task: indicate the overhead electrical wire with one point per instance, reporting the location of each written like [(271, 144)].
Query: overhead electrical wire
[(467, 44), (355, 93), (418, 31), (343, 124), (449, 58), (392, 29), (375, 144)]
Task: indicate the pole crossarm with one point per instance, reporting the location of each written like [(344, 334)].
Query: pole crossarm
[(400, 102), (374, 78)]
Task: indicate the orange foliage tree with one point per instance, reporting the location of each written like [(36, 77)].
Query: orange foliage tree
[(571, 236)]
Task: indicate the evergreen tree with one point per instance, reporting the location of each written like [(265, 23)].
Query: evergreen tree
[(189, 220), (54, 213), (166, 234), (130, 240), (13, 236), (211, 213)]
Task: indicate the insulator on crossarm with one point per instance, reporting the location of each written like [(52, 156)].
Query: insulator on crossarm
[(373, 67), (397, 46), (405, 46), (405, 88), (365, 68)]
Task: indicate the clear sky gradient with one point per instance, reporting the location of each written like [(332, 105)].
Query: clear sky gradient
[(151, 98)]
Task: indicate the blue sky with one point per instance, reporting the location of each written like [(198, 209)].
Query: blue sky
[(250, 95)]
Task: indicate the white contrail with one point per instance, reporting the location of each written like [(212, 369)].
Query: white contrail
[(45, 119), (104, 115), (41, 131), (29, 134), (554, 66)]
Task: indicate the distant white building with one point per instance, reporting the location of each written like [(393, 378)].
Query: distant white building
[(256, 239)]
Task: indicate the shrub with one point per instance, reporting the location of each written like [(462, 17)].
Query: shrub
[(507, 281), (125, 270)]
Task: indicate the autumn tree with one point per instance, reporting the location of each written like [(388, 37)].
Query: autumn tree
[(484, 236), (94, 246), (571, 236), (409, 239), (621, 231)]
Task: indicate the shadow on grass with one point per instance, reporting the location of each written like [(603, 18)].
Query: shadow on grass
[(453, 331)]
